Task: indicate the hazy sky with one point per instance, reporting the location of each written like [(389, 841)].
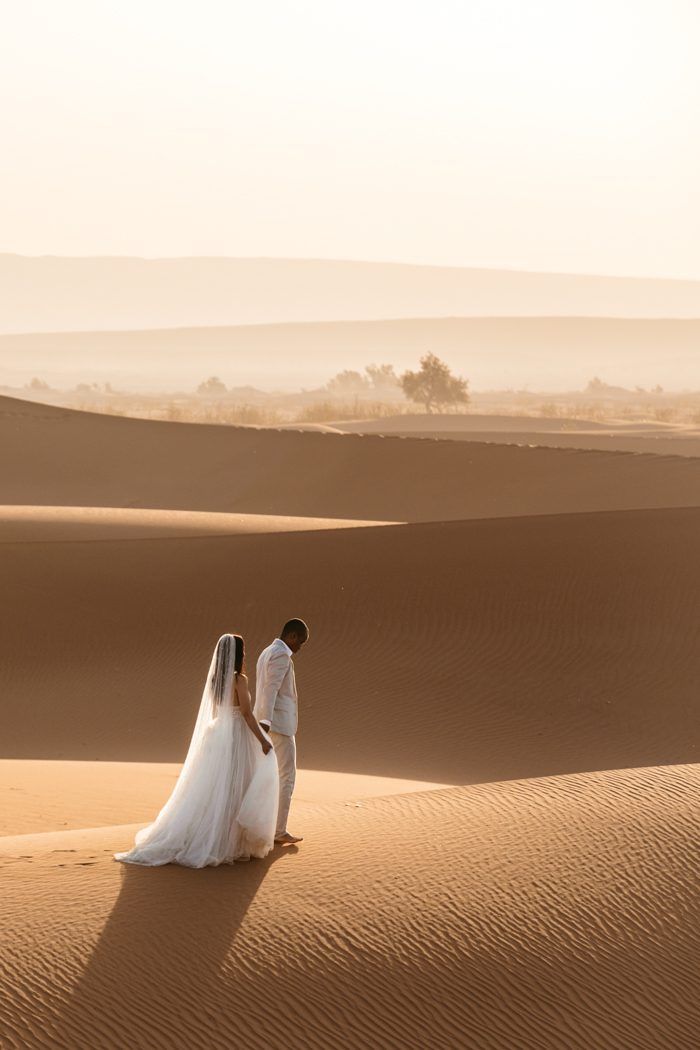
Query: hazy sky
[(547, 134)]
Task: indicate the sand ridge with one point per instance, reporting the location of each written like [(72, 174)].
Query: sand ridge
[(644, 438), (32, 524), (65, 457)]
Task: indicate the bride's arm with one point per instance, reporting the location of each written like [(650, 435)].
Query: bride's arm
[(243, 694)]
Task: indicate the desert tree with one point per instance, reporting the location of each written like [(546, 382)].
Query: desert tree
[(383, 379), (212, 387), (348, 384), (434, 386)]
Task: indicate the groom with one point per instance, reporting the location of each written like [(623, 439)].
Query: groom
[(276, 711)]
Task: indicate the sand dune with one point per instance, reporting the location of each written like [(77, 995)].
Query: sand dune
[(656, 438), (552, 352), (499, 739), (49, 293), (450, 652), (52, 457), (445, 423), (32, 523), (558, 913)]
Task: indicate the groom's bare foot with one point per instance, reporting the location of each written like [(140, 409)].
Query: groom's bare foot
[(287, 839)]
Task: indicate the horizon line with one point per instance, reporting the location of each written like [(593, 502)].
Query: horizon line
[(425, 318), (399, 263)]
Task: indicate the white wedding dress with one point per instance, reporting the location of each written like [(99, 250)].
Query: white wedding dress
[(223, 807)]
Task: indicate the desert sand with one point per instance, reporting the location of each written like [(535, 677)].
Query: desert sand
[(657, 438), (499, 738)]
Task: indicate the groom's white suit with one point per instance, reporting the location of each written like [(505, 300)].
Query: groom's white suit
[(276, 707)]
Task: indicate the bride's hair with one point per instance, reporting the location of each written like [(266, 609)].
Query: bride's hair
[(225, 652), (240, 653)]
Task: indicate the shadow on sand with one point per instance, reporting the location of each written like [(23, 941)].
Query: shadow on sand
[(149, 979)]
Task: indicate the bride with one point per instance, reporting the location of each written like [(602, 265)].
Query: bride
[(223, 807)]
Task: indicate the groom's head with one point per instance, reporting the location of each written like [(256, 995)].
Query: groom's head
[(295, 633)]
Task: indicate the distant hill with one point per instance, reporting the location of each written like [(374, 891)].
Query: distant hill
[(52, 293), (545, 353)]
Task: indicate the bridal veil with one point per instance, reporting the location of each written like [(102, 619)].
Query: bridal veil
[(223, 806)]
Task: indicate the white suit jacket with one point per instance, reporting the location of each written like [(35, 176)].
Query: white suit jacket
[(276, 689)]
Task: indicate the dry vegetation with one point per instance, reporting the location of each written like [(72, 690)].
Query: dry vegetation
[(598, 402), (350, 400)]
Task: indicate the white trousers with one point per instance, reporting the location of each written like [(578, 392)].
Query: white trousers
[(286, 751)]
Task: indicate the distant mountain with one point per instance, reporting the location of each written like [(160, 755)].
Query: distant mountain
[(546, 353), (52, 293)]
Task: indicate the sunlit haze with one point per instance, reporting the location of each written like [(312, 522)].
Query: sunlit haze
[(551, 135)]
